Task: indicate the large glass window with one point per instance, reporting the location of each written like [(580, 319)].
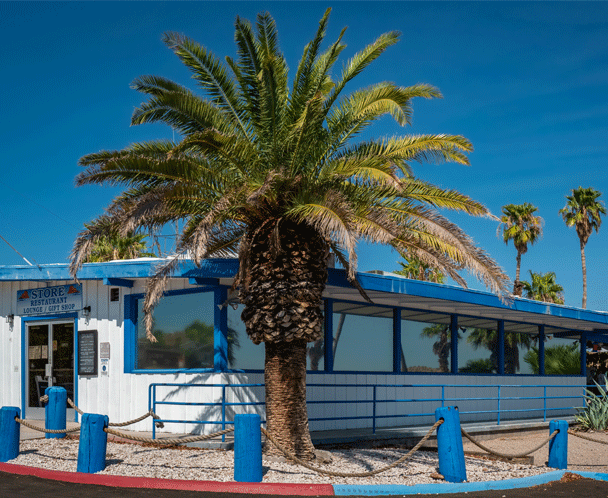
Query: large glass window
[(562, 356), (362, 338), (183, 327), (520, 339), (477, 348), (425, 346), (244, 355)]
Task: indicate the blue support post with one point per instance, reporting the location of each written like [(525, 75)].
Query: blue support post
[(541, 349), (558, 446), (55, 411), (247, 448), (10, 432), (93, 443), (454, 344), (501, 347), (449, 445)]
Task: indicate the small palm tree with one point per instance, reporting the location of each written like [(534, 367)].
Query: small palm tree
[(564, 359), (271, 170), (521, 226), (583, 211), (543, 287), (114, 247), (513, 341), (416, 269)]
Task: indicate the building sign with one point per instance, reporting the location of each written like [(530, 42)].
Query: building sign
[(47, 300)]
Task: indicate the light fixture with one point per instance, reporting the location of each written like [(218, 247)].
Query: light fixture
[(10, 319), (86, 311)]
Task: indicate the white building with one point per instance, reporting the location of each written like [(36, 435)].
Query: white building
[(392, 363)]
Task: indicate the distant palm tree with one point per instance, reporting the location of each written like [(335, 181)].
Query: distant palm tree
[(267, 165), (114, 247), (443, 346), (543, 287), (583, 211), (416, 269), (521, 226)]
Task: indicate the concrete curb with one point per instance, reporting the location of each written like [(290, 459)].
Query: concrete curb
[(287, 489)]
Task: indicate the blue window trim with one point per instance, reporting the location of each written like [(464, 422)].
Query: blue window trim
[(24, 355), (220, 331)]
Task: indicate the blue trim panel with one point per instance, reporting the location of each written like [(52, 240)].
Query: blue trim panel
[(220, 329), (328, 331), (118, 282)]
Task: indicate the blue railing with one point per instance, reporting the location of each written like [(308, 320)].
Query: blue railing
[(442, 400)]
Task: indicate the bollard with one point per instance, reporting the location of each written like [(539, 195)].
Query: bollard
[(55, 411), (10, 431), (449, 445), (247, 448), (558, 446), (93, 443)]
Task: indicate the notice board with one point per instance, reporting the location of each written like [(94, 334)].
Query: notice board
[(87, 352)]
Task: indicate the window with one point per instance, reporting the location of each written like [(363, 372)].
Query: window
[(244, 354), (477, 346), (184, 329), (362, 338), (425, 345)]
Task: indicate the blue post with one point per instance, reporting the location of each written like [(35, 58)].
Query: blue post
[(93, 443), (449, 445), (558, 446), (10, 432), (55, 411), (247, 448)]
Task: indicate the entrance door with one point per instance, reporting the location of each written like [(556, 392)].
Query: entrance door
[(50, 362)]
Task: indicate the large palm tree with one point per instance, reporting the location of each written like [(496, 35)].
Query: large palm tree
[(521, 226), (543, 287), (488, 338), (273, 172), (583, 211)]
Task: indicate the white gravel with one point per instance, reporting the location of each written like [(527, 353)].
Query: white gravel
[(217, 465)]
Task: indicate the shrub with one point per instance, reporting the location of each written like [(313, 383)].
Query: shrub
[(595, 414)]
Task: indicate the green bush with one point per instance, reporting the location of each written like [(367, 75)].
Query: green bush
[(595, 414)]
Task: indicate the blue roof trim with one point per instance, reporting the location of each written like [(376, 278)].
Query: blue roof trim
[(228, 268), (397, 285)]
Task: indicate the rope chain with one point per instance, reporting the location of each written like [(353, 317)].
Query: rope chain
[(167, 441), (355, 474), (504, 455), (44, 399), (47, 431), (123, 424), (71, 403), (586, 437)]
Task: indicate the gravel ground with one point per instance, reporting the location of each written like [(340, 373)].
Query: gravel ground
[(217, 465)]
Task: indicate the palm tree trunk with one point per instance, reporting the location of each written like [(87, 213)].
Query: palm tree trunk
[(517, 286), (584, 264), (286, 415), (282, 294)]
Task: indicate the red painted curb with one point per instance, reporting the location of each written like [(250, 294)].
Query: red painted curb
[(182, 485)]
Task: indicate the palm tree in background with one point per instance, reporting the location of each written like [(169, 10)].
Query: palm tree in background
[(562, 359), (543, 287), (413, 267), (115, 246), (521, 226), (273, 172), (583, 211)]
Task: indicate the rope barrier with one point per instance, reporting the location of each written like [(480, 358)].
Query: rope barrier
[(319, 470), (573, 433), (504, 455), (167, 441), (46, 431), (160, 425), (44, 399)]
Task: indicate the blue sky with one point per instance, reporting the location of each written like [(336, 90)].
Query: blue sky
[(527, 83)]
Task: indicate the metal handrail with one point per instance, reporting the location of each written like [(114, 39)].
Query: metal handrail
[(374, 401)]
